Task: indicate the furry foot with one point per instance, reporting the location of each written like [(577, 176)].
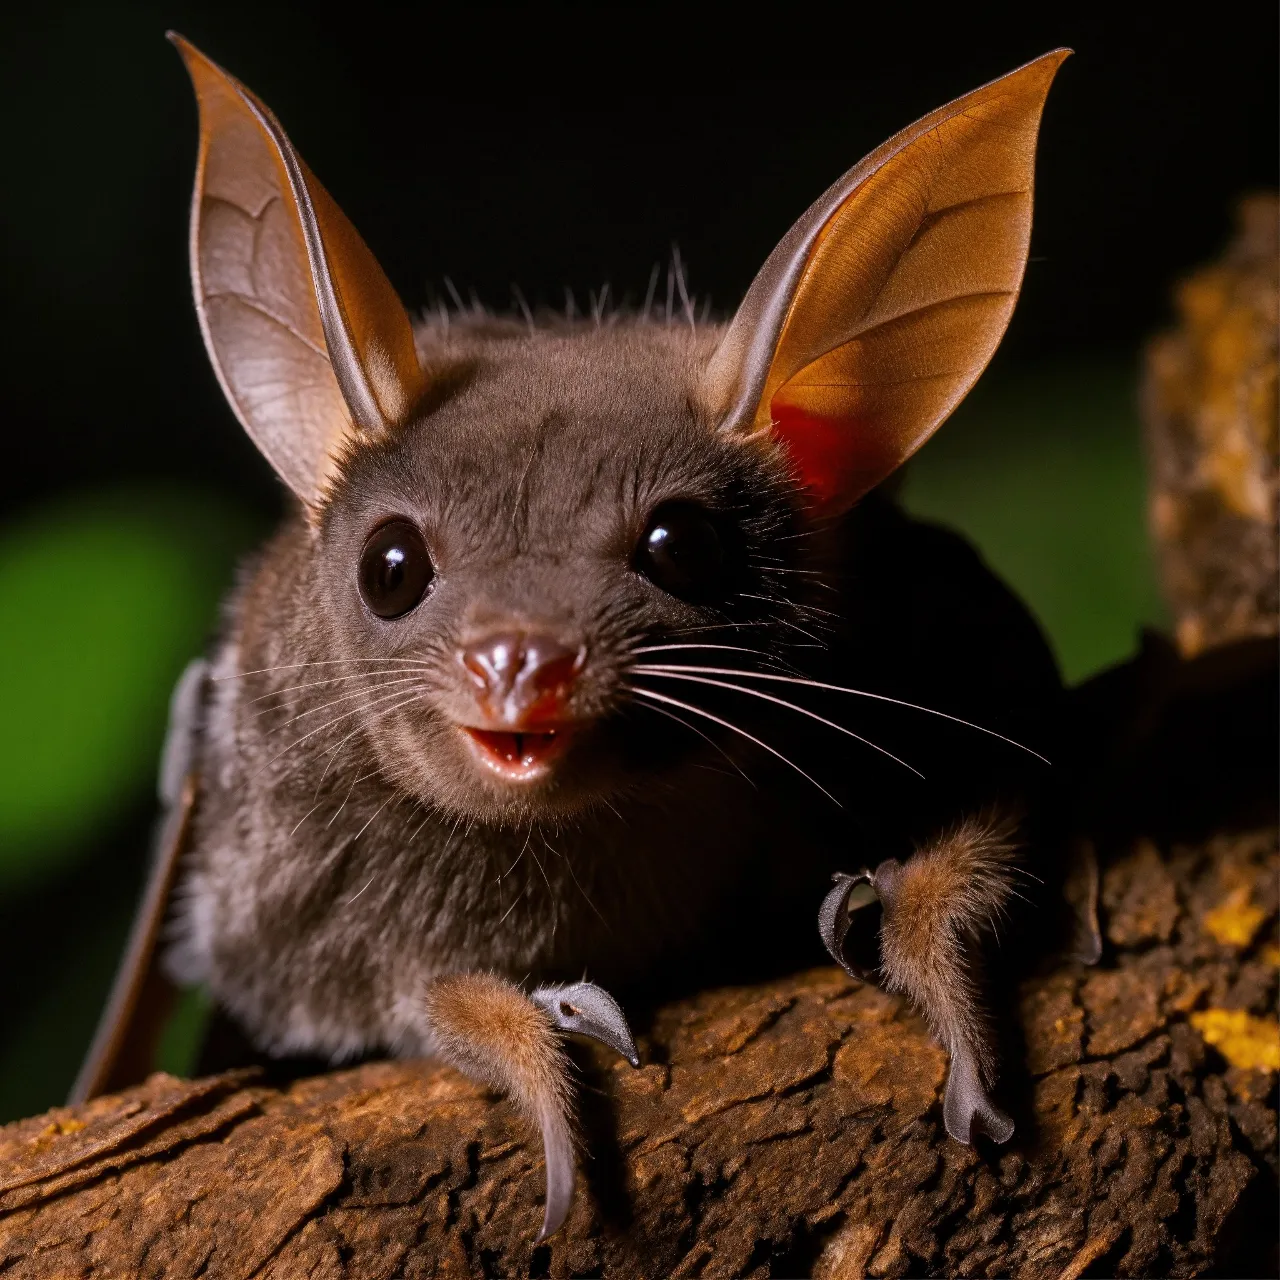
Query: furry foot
[(492, 1031), (912, 927)]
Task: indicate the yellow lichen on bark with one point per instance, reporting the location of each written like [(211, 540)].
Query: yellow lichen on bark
[(1245, 1041), (1210, 403), (1235, 920)]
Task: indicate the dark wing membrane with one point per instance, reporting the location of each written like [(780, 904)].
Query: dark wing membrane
[(124, 1044)]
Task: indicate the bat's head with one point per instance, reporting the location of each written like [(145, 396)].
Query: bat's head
[(507, 522), (565, 509)]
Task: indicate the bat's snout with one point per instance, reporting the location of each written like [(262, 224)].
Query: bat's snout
[(522, 682)]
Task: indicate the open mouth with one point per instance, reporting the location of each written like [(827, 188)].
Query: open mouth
[(518, 757)]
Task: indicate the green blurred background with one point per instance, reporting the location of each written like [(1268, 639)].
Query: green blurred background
[(534, 147)]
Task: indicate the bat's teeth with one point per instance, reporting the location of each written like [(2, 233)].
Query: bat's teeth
[(524, 753)]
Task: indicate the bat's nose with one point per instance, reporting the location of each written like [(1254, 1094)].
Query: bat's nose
[(522, 678)]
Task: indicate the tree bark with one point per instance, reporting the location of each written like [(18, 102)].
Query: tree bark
[(785, 1129), (1211, 392)]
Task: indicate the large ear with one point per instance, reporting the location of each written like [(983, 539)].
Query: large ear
[(309, 341), (876, 313)]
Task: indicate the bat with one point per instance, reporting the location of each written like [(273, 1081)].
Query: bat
[(577, 651)]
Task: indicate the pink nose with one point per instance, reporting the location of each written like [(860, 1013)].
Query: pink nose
[(522, 679)]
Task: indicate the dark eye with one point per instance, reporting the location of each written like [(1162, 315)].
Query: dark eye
[(683, 552), (395, 569)]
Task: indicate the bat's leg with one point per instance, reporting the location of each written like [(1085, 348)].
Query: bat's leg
[(931, 912), (491, 1030)]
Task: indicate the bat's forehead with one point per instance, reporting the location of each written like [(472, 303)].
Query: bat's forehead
[(563, 436), (633, 377)]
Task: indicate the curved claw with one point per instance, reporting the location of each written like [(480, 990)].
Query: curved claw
[(583, 1009), (557, 1151), (851, 893), (967, 1107)]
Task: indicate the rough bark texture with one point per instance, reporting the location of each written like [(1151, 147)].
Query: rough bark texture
[(781, 1130), (1210, 403)]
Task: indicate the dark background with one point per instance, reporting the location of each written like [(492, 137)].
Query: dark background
[(543, 151), (555, 149)]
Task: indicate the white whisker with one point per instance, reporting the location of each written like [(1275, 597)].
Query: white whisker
[(859, 693), (766, 567), (533, 853), (693, 728), (516, 863), (698, 711), (370, 818), (335, 753), (781, 702), (315, 684), (304, 817), (364, 777), (724, 626), (327, 662), (344, 716), (503, 875), (413, 835), (585, 896), (333, 702), (791, 604), (351, 900), (736, 648), (808, 635)]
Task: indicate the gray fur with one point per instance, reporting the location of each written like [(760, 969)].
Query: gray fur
[(359, 879), (347, 850)]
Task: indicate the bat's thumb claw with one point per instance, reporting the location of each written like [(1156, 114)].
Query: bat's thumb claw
[(850, 895), (583, 1009)]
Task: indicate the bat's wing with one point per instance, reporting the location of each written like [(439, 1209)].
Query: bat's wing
[(124, 1044)]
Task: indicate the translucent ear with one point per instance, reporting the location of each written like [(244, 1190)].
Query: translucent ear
[(876, 313), (309, 341)]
